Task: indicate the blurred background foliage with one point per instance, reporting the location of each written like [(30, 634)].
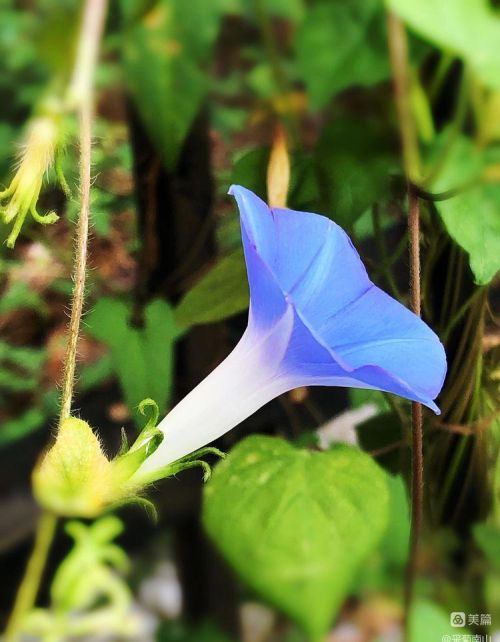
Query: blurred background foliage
[(189, 98)]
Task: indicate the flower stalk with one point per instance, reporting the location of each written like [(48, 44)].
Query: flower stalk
[(398, 51)]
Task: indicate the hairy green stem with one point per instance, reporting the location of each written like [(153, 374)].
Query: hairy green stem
[(81, 91), (80, 270), (80, 98)]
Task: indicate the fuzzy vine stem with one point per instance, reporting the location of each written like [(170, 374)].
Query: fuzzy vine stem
[(417, 460), (398, 52), (80, 92), (79, 99)]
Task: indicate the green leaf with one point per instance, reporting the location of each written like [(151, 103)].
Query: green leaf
[(430, 622), (165, 55), (19, 295), (94, 374), (20, 367), (220, 293), (384, 571), (487, 537), (22, 426), (28, 359), (296, 525), (472, 217), (394, 545), (468, 28), (31, 419), (354, 166), (342, 44), (249, 169), (142, 359)]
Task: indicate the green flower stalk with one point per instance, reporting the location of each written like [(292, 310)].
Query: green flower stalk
[(42, 143)]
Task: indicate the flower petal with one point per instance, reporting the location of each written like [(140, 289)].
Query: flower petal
[(347, 331)]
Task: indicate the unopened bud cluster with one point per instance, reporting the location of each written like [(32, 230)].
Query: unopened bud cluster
[(42, 143)]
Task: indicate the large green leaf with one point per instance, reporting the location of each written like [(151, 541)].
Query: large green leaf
[(297, 524), (430, 622), (220, 293), (353, 166), (472, 217), (394, 545), (342, 44), (468, 28), (165, 56), (142, 359)]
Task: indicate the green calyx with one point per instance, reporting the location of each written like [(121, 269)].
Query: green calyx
[(75, 478)]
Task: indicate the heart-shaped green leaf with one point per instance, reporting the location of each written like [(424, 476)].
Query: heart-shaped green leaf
[(297, 524), (468, 28), (428, 621), (340, 45)]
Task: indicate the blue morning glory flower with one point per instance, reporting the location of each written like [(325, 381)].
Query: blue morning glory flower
[(315, 318)]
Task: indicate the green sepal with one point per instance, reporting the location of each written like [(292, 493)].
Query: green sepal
[(193, 460), (130, 459), (138, 500)]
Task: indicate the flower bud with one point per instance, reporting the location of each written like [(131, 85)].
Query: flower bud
[(43, 138), (278, 170)]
